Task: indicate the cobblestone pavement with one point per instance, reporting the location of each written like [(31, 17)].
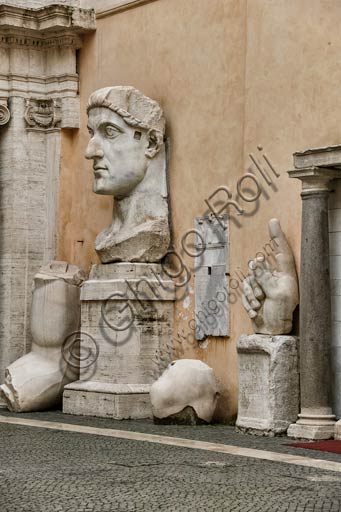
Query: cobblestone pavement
[(54, 471)]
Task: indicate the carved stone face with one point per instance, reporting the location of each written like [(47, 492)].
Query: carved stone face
[(118, 152)]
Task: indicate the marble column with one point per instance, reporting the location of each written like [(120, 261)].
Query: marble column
[(316, 420)]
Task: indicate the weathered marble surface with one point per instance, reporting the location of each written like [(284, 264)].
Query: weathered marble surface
[(268, 399), (271, 291), (35, 381), (106, 400), (127, 148), (127, 309), (185, 383)]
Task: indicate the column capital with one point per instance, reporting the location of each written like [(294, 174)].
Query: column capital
[(315, 179), (5, 114)]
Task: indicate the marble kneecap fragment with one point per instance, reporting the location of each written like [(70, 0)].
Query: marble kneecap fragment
[(35, 381), (185, 383)]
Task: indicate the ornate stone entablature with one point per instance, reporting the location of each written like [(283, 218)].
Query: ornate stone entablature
[(43, 29), (39, 84), (55, 25)]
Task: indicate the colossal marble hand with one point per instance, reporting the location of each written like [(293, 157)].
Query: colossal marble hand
[(35, 381), (271, 293), (127, 148)]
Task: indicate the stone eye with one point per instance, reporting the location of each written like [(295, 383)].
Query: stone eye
[(91, 132), (111, 131)]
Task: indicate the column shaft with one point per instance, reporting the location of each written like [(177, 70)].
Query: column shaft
[(315, 307)]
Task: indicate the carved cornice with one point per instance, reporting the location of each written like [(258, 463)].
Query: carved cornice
[(54, 17), (119, 6), (56, 25), (8, 39), (315, 179), (27, 85)]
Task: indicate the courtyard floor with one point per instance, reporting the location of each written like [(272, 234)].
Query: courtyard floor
[(51, 462)]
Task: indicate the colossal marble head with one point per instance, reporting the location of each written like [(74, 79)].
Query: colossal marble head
[(127, 131), (129, 159)]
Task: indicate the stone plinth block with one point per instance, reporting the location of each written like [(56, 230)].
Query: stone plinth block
[(268, 383), (115, 401), (125, 339)]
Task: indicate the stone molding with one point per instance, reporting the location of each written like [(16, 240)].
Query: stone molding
[(329, 156), (34, 4), (61, 88), (107, 387), (8, 40), (56, 25), (111, 7), (314, 179)]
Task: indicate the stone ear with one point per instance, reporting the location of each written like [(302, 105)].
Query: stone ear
[(155, 139)]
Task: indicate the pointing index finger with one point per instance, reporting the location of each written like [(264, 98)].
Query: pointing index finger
[(283, 253)]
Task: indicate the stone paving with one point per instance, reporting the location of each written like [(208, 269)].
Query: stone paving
[(54, 471)]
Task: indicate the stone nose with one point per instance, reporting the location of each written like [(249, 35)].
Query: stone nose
[(94, 149)]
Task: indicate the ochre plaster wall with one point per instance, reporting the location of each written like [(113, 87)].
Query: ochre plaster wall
[(230, 75)]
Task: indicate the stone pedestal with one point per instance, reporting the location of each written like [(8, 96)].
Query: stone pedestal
[(316, 420), (127, 314), (268, 383)]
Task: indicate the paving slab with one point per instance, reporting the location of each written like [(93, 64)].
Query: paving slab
[(55, 471)]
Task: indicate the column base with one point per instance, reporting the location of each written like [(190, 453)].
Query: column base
[(338, 430), (313, 427)]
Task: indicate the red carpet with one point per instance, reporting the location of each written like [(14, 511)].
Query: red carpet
[(323, 446)]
